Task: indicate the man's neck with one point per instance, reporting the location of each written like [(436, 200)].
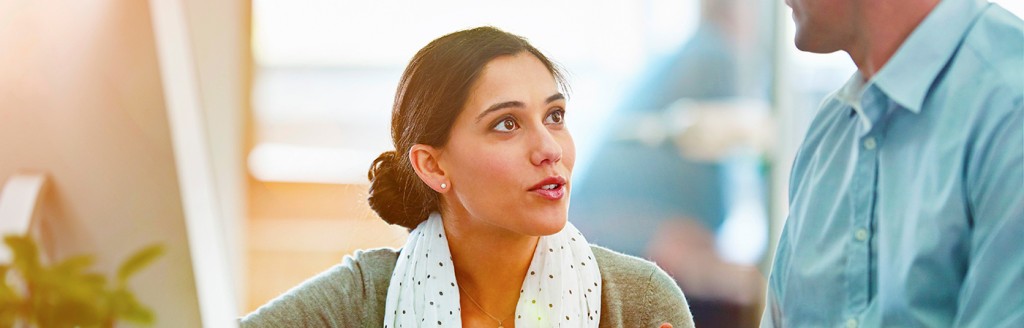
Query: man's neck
[(884, 26)]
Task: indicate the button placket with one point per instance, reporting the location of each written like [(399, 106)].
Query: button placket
[(861, 234), (862, 197), (870, 143)]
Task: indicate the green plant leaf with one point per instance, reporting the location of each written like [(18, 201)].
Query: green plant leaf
[(9, 302), (85, 288), (138, 261), (26, 254), (7, 294), (7, 315), (75, 314), (67, 294), (127, 307), (74, 265)]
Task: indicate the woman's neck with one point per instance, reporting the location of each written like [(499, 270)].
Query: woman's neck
[(490, 263)]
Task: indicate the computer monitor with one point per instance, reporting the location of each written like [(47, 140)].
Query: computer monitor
[(101, 97)]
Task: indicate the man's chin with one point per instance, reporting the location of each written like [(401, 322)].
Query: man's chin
[(805, 45)]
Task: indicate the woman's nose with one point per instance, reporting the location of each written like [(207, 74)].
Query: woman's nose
[(545, 148)]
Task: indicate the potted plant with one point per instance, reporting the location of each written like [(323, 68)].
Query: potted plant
[(66, 294)]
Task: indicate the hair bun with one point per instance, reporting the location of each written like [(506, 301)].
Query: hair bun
[(381, 164), (392, 191)]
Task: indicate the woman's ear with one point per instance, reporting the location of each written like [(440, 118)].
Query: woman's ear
[(425, 162)]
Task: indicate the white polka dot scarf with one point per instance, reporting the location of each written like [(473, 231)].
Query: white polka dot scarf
[(561, 289)]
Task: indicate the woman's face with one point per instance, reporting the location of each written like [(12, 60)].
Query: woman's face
[(509, 156)]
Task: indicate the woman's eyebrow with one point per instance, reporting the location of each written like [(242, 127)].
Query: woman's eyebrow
[(515, 103), (557, 96)]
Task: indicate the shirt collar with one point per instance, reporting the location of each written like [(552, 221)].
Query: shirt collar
[(909, 74), (851, 95)]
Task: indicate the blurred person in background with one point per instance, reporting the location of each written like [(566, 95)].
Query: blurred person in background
[(906, 200), (676, 202), (481, 175)]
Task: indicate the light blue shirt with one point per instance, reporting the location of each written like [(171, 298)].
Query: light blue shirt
[(907, 195)]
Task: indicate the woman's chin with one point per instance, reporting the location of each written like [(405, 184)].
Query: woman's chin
[(548, 226)]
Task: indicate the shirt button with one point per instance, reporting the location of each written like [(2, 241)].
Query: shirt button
[(852, 323), (869, 143), (861, 235)]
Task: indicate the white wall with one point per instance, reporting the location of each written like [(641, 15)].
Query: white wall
[(219, 34), (81, 98)]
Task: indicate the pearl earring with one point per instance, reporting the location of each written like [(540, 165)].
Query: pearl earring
[(444, 185)]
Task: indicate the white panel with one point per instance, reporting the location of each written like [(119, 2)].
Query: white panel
[(195, 174)]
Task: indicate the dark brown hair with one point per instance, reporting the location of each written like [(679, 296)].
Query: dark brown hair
[(431, 94)]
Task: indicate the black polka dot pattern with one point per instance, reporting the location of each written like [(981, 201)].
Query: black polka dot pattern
[(423, 290), (555, 277)]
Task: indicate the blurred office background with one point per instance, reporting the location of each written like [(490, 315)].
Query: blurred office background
[(658, 88), (686, 115)]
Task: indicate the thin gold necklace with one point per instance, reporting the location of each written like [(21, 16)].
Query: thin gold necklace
[(500, 325)]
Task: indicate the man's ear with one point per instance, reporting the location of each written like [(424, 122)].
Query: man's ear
[(424, 160)]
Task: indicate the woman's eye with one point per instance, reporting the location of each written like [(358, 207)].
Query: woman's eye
[(555, 117), (506, 125)]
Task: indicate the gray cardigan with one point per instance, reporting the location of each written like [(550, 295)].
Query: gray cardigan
[(635, 293)]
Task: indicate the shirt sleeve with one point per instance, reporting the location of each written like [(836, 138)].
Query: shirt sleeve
[(330, 299), (666, 302), (772, 315), (990, 295)]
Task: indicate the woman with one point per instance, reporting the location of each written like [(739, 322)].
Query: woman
[(481, 176)]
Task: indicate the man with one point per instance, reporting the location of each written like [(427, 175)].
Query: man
[(907, 195)]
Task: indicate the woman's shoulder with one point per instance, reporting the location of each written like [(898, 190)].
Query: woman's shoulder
[(376, 262), (620, 265), (347, 294), (629, 270), (637, 292)]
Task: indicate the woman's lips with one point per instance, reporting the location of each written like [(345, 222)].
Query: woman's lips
[(552, 188), (551, 194)]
